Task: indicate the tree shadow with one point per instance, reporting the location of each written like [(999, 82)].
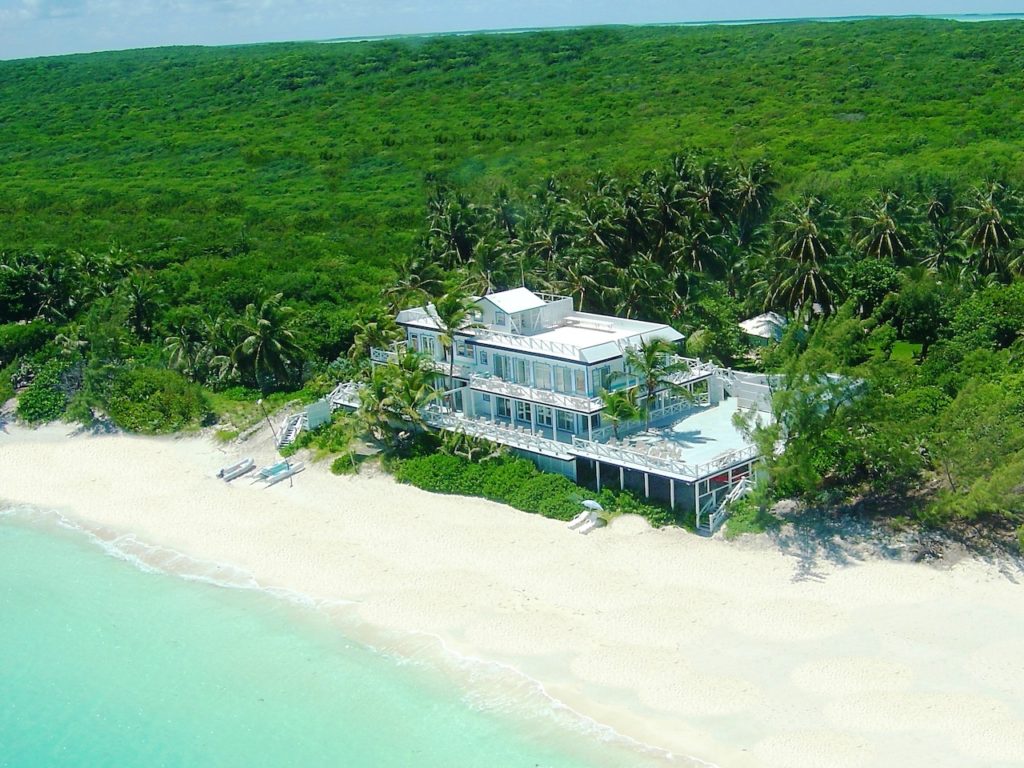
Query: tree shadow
[(820, 540)]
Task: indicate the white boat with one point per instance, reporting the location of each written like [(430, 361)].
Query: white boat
[(270, 471), (290, 471), (237, 469)]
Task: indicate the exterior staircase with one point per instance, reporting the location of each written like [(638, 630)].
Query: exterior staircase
[(711, 518), (290, 429)]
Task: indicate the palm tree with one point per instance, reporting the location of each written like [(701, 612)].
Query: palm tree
[(452, 312), (141, 296), (753, 190), (380, 333), (184, 349), (988, 230), (883, 229), (620, 406), (396, 390), (267, 348), (652, 363), (801, 272)]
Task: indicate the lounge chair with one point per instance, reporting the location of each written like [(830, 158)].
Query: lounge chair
[(581, 518), (596, 522)]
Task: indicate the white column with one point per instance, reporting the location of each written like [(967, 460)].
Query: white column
[(597, 466), (672, 493), (494, 408), (622, 479), (647, 485), (533, 418)]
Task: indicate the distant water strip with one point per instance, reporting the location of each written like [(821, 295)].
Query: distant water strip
[(960, 17)]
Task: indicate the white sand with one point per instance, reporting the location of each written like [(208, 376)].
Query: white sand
[(696, 646)]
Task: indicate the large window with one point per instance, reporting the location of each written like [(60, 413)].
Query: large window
[(542, 375), (566, 421), (501, 367), (519, 367), (461, 348), (429, 346), (544, 416), (499, 318), (522, 411), (504, 407), (570, 379)]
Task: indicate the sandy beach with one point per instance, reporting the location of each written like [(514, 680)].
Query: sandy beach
[(737, 655)]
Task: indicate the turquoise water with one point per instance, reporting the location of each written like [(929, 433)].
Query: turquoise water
[(106, 664)]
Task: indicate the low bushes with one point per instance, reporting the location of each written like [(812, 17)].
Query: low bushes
[(18, 339), (46, 398), (154, 400), (518, 483)]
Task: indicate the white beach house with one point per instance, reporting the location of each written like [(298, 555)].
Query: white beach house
[(528, 373)]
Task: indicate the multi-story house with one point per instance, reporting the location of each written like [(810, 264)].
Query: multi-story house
[(529, 371)]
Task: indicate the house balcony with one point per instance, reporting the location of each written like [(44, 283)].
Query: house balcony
[(660, 457), (497, 432), (461, 371), (691, 371), (383, 356), (561, 400)]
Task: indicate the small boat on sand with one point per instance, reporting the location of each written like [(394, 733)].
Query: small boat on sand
[(269, 471), (290, 471), (237, 469)]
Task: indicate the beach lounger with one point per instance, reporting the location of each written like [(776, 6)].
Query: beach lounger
[(580, 519), (237, 469), (294, 469), (597, 522)]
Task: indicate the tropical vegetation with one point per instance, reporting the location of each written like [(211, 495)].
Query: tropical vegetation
[(203, 227)]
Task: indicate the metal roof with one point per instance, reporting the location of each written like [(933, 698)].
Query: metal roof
[(515, 300)]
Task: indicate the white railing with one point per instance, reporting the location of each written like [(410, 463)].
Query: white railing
[(531, 394), (498, 433), (658, 416), (527, 343), (378, 355), (550, 298), (658, 457), (462, 370), (739, 490), (345, 395), (691, 369)]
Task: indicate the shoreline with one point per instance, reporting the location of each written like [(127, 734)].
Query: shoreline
[(693, 646)]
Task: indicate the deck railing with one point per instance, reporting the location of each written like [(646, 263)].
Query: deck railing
[(526, 343), (655, 459), (691, 369), (496, 432), (533, 395), (345, 395), (658, 416), (385, 356)]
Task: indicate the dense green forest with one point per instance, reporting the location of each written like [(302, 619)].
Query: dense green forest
[(184, 229)]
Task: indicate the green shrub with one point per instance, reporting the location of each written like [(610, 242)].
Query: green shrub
[(502, 478), (745, 516), (347, 465), (154, 400), (1020, 539), (440, 473), (518, 483), (47, 396), (22, 339), (550, 495)]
